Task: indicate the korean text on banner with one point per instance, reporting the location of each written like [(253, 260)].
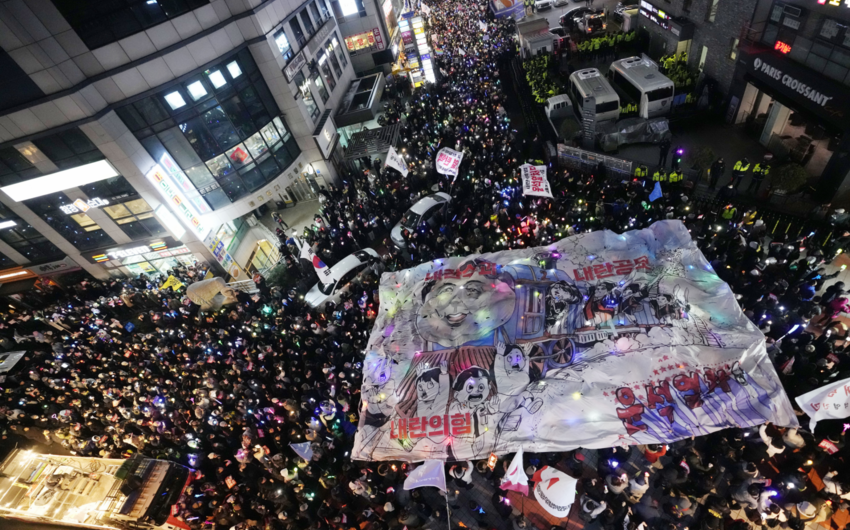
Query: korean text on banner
[(448, 161), (597, 340), (827, 402), (534, 181), (395, 161)]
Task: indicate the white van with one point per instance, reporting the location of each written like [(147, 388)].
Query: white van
[(589, 82), (638, 81)]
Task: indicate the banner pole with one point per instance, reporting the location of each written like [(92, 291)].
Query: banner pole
[(448, 512)]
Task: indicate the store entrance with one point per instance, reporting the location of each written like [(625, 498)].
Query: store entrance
[(791, 135)]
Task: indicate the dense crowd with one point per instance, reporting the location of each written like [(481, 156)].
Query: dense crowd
[(226, 392)]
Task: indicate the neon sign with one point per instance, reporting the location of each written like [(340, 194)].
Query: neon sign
[(83, 206), (834, 3), (782, 47), (177, 201)]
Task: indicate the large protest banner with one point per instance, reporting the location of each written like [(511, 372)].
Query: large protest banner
[(595, 341)]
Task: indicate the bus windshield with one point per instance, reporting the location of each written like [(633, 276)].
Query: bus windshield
[(660, 93)]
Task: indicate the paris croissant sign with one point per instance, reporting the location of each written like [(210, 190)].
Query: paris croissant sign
[(761, 65)]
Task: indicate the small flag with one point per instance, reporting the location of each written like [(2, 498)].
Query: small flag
[(303, 450), (515, 478), (430, 473), (656, 192), (172, 282)]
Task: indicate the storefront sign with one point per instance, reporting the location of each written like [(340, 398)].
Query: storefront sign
[(55, 267), (216, 246), (834, 3), (799, 86), (369, 40), (294, 66), (760, 65), (177, 201), (83, 206), (133, 249), (782, 47), (654, 14)]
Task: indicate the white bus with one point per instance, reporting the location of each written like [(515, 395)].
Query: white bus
[(589, 82), (639, 81)]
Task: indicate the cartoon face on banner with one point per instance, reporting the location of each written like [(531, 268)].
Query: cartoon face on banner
[(595, 341), (464, 305)]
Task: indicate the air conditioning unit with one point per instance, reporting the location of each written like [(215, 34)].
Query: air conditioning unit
[(792, 11)]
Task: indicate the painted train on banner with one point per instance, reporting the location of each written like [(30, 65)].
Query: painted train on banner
[(595, 341)]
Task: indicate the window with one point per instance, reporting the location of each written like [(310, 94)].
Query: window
[(733, 53), (348, 7), (14, 167), (308, 24), (320, 86), (221, 137), (608, 106), (135, 217), (216, 78), (298, 32), (100, 22), (234, 69), (315, 12), (326, 71), (78, 228), (659, 93), (711, 14), (29, 242), (69, 149), (175, 100), (332, 57), (303, 85), (702, 58), (283, 45), (335, 42), (197, 90)]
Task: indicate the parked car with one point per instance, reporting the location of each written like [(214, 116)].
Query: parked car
[(542, 4), (570, 18), (342, 274), (428, 210), (592, 23), (559, 3)]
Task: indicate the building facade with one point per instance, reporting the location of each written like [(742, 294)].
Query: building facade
[(790, 85), (371, 32), (137, 135), (707, 30)]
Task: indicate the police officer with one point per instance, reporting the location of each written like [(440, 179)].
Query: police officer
[(739, 171), (663, 151), (641, 172), (718, 168), (676, 177), (760, 172), (660, 175)]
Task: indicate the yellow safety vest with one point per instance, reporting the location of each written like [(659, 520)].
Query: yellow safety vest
[(676, 176), (739, 166), (729, 213), (659, 177), (764, 170), (640, 171)]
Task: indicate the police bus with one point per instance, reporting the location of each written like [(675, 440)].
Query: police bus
[(589, 82), (638, 81)]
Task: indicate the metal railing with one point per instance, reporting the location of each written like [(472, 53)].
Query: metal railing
[(245, 286)]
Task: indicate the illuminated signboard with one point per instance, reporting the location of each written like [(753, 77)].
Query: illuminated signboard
[(654, 14), (158, 245), (177, 201), (83, 206), (782, 47), (834, 3)]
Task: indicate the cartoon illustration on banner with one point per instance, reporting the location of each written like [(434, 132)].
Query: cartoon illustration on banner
[(594, 341)]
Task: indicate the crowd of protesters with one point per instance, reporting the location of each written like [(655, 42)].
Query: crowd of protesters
[(226, 392)]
